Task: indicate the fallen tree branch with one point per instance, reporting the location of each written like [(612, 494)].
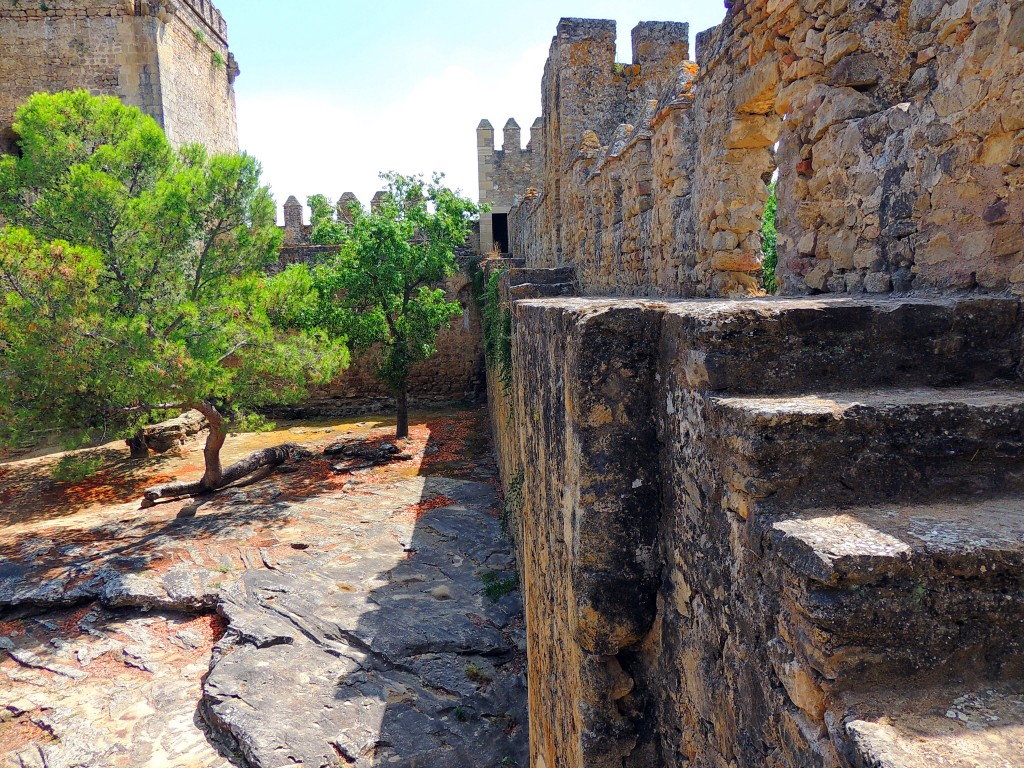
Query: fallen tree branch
[(266, 457)]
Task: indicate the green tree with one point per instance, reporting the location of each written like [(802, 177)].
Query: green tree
[(382, 288), (132, 284)]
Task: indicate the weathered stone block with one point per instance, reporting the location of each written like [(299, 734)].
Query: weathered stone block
[(857, 70)]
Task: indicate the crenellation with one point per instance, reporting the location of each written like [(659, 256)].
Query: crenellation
[(536, 142), (599, 173), (577, 30), (893, 129), (512, 140), (504, 174), (344, 206), (294, 226)]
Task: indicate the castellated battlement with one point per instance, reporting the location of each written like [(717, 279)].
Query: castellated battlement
[(590, 102), (893, 129), (505, 174), (657, 45), (199, 14), (298, 243), (170, 58)]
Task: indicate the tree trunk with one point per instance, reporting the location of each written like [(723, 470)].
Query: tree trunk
[(138, 446), (215, 477), (403, 412)]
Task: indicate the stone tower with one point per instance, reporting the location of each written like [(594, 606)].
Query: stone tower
[(293, 226), (504, 174), (169, 58)]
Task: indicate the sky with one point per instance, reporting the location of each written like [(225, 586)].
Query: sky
[(333, 92)]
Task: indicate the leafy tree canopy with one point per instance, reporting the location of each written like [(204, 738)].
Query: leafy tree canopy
[(383, 287), (132, 277)]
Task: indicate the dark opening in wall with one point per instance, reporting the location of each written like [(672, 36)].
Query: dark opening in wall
[(500, 223), (9, 142)]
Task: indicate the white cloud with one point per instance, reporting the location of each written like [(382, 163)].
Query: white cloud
[(311, 141)]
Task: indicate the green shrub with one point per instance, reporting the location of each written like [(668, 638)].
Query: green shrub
[(477, 674), (768, 242), (497, 322), (498, 332), (496, 587)]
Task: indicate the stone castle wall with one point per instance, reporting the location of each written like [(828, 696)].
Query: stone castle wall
[(777, 532), (169, 59), (717, 574), (197, 73), (902, 146), (894, 128)]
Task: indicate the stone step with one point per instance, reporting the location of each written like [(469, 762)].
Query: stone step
[(540, 290), (953, 726), (813, 345), (873, 592), (545, 276), (870, 445)]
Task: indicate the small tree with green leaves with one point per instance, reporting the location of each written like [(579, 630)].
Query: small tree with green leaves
[(383, 287), (133, 285)]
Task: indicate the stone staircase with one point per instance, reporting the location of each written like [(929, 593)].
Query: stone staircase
[(775, 533), (541, 283), (869, 461)]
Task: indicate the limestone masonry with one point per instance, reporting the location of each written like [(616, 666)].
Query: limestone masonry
[(899, 128), (761, 532), (169, 58)]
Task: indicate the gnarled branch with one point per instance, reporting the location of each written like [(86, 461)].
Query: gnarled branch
[(266, 457)]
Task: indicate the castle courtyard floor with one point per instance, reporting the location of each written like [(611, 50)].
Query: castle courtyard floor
[(330, 613)]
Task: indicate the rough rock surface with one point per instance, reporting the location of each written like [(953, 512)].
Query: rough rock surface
[(354, 624), (385, 653), (90, 687), (174, 432), (747, 528)]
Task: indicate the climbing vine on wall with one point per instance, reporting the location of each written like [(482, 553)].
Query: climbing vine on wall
[(497, 322)]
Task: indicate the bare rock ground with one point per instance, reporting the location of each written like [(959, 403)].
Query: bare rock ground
[(321, 616)]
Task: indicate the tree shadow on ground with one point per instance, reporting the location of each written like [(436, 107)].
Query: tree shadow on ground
[(450, 651), (444, 675), (29, 494)]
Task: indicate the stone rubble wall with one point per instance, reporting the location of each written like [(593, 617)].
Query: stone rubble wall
[(895, 128), (671, 619), (155, 55), (903, 146)]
